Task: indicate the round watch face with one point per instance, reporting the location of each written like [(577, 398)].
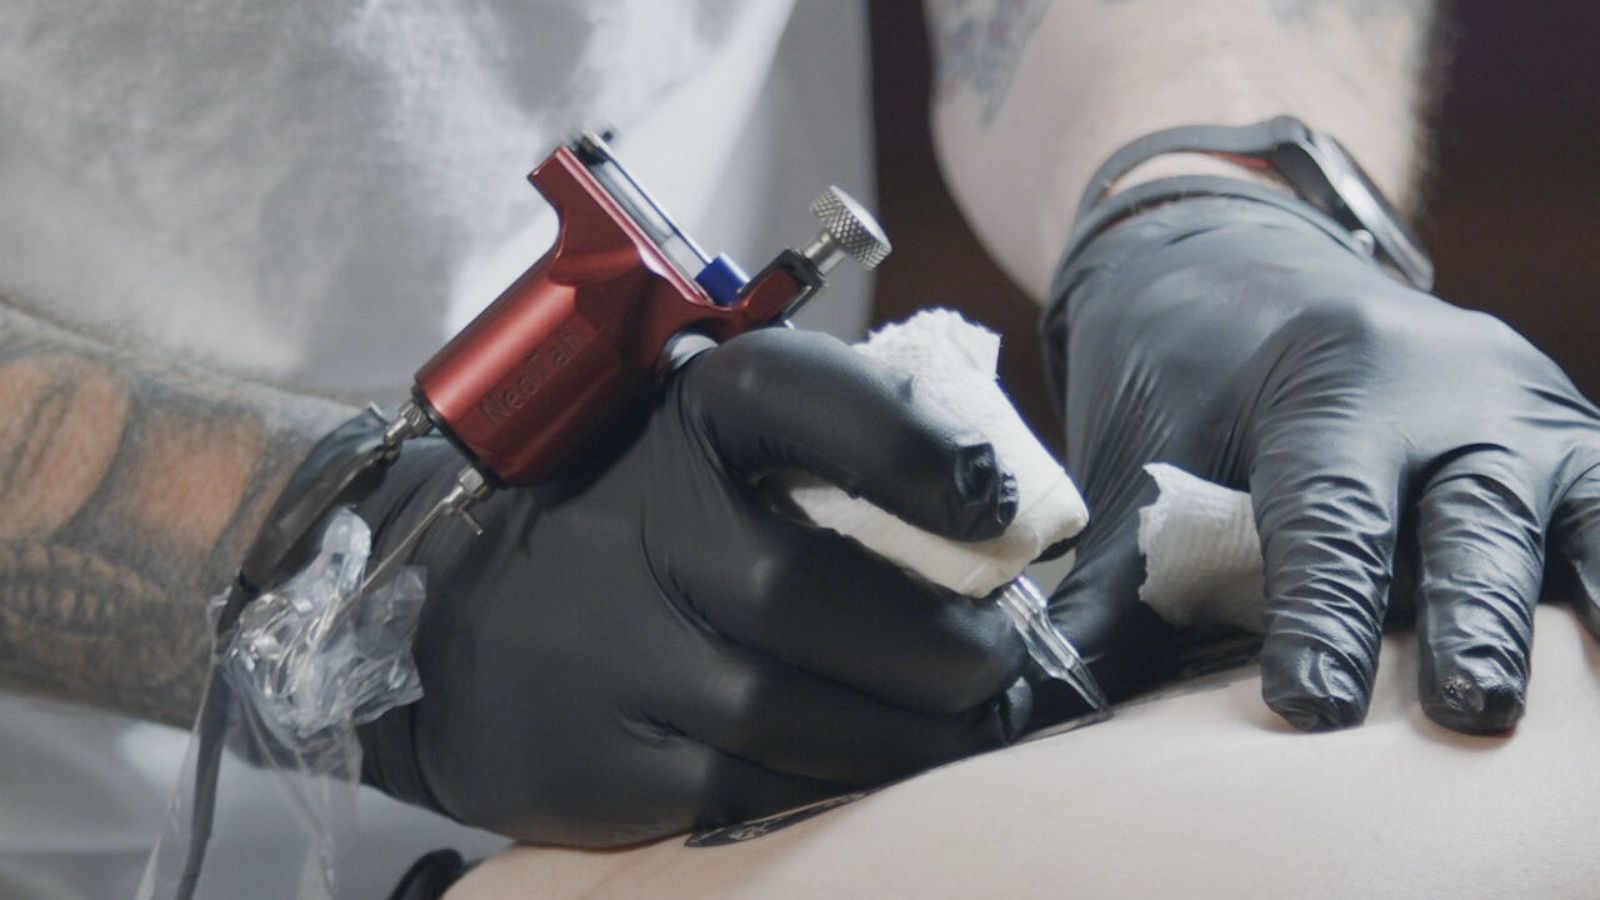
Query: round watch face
[(1394, 240)]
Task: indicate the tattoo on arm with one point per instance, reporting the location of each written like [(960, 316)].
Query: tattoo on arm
[(1307, 10), (977, 44), (129, 491)]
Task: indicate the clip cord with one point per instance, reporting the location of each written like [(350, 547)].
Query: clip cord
[(210, 725)]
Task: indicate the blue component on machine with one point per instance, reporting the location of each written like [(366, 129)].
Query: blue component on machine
[(723, 280)]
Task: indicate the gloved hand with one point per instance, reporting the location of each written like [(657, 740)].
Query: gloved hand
[(649, 644), (1380, 431)]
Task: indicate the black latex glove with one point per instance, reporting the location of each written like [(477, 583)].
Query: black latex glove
[(650, 645), (1379, 430)]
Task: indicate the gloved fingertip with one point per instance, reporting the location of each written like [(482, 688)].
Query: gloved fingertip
[(1311, 688), (1309, 713), (986, 492), (1475, 697), (1055, 701), (1016, 709)]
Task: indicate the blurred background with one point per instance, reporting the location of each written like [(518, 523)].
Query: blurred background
[(1512, 217)]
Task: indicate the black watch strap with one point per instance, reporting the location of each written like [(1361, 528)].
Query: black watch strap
[(1313, 165), (1152, 194), (1251, 145)]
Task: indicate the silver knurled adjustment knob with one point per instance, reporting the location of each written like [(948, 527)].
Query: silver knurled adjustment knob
[(847, 228)]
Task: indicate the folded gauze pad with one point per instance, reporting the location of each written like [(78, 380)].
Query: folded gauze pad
[(1202, 554), (954, 364)]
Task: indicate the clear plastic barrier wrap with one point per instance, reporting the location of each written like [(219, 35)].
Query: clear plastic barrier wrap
[(306, 664)]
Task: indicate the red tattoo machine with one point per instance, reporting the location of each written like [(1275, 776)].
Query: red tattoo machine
[(594, 322), (566, 348)]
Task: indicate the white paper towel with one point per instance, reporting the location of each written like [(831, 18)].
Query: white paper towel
[(954, 362), (1202, 553)]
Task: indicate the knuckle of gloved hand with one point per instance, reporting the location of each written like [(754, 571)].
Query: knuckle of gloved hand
[(980, 657), (1002, 718), (1351, 322), (1507, 503), (783, 574), (783, 366), (1409, 323), (742, 370), (1492, 338), (966, 492), (981, 496)]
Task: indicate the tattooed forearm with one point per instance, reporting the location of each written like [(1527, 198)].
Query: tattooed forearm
[(1421, 53), (128, 492), (977, 44), (1032, 97)]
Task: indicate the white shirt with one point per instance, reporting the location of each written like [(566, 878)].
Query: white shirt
[(320, 192)]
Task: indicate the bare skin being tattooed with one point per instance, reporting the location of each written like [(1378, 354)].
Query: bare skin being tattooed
[(128, 491)]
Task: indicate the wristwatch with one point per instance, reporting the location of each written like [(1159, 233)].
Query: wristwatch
[(1314, 165)]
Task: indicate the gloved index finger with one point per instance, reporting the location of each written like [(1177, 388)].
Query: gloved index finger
[(781, 399)]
